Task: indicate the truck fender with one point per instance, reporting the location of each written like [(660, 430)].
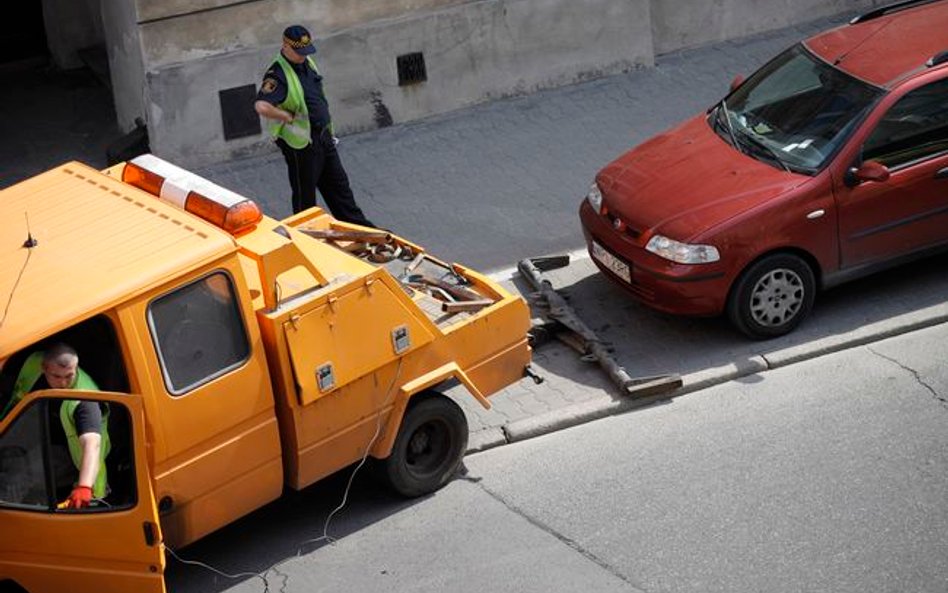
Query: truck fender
[(383, 447)]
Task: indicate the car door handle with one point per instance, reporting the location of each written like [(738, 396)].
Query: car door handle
[(942, 174)]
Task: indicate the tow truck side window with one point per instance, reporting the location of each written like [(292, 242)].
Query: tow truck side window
[(198, 332)]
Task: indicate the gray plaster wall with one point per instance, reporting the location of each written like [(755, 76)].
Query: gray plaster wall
[(681, 24), (179, 30), (71, 25), (474, 51), (126, 68), (184, 112)]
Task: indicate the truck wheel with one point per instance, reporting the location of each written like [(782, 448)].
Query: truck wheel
[(772, 296), (11, 587), (429, 447)]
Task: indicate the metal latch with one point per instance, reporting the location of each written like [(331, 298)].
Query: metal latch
[(325, 377), (401, 341)]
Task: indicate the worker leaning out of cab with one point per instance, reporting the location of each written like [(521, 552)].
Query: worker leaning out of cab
[(84, 423)]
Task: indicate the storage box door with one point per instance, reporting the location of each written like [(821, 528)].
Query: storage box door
[(348, 336)]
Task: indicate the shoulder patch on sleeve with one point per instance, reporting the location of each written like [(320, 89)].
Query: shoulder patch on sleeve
[(269, 85)]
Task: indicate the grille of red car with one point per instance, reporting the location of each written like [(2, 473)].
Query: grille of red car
[(614, 222)]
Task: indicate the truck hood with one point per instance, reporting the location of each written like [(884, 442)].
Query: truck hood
[(688, 180)]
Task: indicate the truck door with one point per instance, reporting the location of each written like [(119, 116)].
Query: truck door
[(114, 545), (217, 443)]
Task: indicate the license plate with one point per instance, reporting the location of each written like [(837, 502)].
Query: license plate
[(617, 266)]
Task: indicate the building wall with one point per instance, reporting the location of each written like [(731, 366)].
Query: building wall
[(474, 50), (126, 68), (71, 25), (680, 24)]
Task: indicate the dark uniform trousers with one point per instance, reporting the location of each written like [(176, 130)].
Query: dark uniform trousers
[(318, 165)]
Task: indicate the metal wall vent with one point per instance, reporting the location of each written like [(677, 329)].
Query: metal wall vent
[(411, 68)]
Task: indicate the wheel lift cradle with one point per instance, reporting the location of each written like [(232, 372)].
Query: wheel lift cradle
[(582, 337)]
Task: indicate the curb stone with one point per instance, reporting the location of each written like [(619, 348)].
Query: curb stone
[(577, 414)]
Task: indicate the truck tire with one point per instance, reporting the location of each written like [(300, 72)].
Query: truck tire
[(429, 447)]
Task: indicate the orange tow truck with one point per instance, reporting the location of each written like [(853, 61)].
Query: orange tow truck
[(234, 355)]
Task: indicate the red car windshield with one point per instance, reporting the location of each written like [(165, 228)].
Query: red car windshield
[(794, 112)]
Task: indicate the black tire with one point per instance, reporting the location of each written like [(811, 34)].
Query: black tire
[(11, 587), (772, 296), (429, 447)]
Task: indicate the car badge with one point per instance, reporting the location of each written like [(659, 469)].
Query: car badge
[(617, 224)]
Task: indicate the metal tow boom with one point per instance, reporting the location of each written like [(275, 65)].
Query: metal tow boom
[(586, 339)]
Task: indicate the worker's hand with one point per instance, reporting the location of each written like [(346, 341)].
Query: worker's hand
[(287, 117), (79, 498), (335, 141)]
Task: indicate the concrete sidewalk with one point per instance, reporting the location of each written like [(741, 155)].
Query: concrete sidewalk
[(510, 174), (490, 185), (493, 184)]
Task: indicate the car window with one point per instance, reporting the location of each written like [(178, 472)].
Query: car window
[(797, 110), (915, 128), (198, 332)]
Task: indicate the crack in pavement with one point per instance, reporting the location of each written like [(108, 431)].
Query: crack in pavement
[(562, 538), (918, 378)]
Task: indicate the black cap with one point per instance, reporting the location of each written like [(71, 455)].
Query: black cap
[(298, 38)]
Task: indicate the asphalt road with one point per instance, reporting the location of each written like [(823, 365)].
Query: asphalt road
[(827, 475), (822, 476)]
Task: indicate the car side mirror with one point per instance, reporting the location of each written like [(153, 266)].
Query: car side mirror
[(738, 81), (868, 171)]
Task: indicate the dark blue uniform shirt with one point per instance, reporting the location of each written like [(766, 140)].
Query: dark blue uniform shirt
[(274, 89)]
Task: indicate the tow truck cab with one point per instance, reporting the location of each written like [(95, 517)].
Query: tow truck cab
[(235, 354)]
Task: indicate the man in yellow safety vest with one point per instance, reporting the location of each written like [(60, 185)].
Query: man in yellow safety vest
[(84, 423)]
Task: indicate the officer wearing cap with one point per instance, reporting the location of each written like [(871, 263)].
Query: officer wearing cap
[(291, 97)]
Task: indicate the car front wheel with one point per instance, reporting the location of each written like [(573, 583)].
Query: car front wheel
[(772, 296)]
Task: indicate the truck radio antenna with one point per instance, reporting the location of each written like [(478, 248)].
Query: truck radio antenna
[(30, 242)]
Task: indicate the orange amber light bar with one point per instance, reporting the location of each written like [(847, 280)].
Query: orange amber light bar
[(221, 207)]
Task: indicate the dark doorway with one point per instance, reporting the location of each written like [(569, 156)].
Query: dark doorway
[(23, 39)]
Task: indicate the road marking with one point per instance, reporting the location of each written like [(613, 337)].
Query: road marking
[(507, 274)]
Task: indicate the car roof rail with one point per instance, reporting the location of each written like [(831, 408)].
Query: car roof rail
[(888, 9), (939, 58)]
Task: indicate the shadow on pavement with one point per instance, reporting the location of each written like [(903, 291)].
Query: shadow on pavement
[(648, 342), (288, 528)]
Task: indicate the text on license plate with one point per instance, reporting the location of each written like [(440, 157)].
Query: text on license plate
[(617, 266)]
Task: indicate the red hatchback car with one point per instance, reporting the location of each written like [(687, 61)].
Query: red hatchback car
[(828, 163)]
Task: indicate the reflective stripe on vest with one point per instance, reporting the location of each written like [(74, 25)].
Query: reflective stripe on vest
[(66, 416), (297, 133)]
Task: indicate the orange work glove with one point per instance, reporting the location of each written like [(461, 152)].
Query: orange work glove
[(79, 498)]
